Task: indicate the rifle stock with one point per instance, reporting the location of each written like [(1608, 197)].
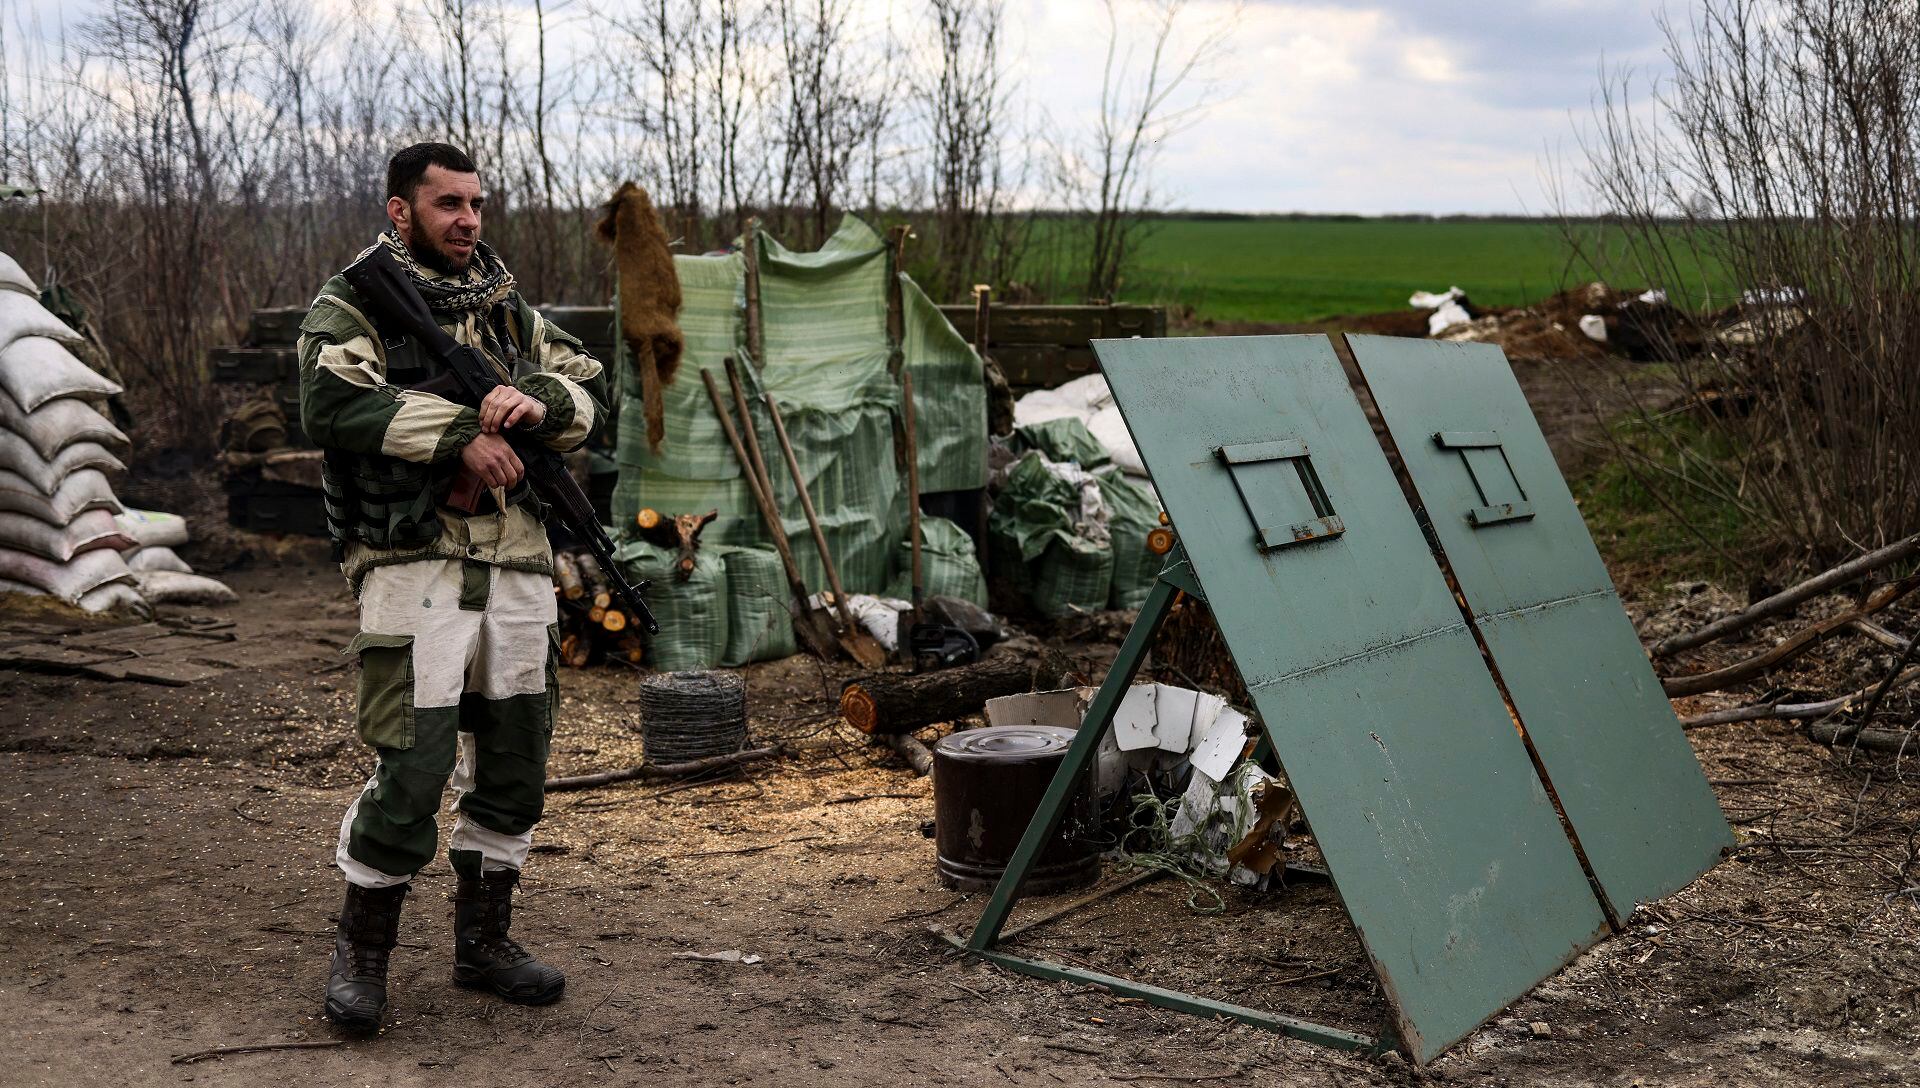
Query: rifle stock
[(384, 287)]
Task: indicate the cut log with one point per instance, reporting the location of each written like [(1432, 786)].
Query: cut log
[(888, 704)]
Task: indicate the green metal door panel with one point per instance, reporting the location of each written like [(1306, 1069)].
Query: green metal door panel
[(1541, 598), (1629, 783), (1438, 835)]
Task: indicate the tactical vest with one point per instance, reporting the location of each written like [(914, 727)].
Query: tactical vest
[(390, 503)]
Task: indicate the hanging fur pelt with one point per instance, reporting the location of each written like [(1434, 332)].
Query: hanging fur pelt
[(649, 299)]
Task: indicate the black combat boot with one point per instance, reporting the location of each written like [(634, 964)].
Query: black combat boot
[(484, 957), (369, 928)]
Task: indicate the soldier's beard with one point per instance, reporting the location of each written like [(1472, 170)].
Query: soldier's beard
[(430, 255)]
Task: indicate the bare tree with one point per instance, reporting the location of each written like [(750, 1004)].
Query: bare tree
[(1784, 158), (1150, 89)]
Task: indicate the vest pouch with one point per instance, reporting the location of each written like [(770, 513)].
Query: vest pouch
[(385, 715)]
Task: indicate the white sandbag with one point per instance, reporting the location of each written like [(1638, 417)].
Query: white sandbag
[(35, 370), (59, 423), (1089, 400), (115, 597), (1449, 314), (67, 581), (15, 278), (173, 587), (18, 456), (153, 529), (93, 529), (82, 490), (22, 315), (1111, 430), (140, 560), (1427, 300), (9, 586)]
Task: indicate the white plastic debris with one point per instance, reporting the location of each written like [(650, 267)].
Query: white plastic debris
[(731, 955), (1594, 327), (1427, 300), (1772, 296), (1134, 720), (880, 616), (1654, 296), (1449, 314)]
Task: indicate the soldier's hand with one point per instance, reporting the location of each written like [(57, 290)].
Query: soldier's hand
[(491, 458), (506, 407)]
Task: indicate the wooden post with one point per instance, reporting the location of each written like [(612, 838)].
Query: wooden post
[(756, 331)]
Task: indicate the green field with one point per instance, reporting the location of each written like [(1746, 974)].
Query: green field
[(1305, 269)]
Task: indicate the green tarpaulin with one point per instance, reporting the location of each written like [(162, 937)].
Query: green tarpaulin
[(825, 320)]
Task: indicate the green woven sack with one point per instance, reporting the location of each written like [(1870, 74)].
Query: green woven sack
[(1132, 514), (693, 614), (948, 565), (759, 627), (1065, 439), (1072, 576)]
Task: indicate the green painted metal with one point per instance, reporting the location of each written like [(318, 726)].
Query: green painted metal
[(1179, 1002), (1073, 766), (1439, 837), (1540, 596)]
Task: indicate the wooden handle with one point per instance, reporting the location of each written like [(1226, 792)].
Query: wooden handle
[(755, 484), (913, 487), (813, 519)]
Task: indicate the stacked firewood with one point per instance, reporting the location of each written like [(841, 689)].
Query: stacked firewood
[(1845, 718), (592, 625)]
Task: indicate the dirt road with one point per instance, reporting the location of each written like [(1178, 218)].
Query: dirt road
[(166, 885)]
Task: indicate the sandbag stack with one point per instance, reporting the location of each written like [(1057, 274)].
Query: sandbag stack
[(63, 532)]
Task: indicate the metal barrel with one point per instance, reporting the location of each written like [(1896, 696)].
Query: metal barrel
[(987, 783)]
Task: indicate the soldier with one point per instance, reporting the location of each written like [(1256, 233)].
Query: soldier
[(442, 542)]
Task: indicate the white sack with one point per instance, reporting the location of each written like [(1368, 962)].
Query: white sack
[(173, 587), (1111, 431), (67, 581), (1427, 300), (1595, 328), (82, 490), (114, 596), (93, 529), (9, 586), (153, 529), (1449, 314), (18, 456), (22, 315), (1090, 401), (59, 423), (35, 370), (152, 559), (13, 277)]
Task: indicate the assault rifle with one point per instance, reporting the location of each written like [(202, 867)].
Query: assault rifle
[(398, 307)]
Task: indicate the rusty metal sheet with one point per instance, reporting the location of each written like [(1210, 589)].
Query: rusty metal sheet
[(1444, 846), (1640, 808)]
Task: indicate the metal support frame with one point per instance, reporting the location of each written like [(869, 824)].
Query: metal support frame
[(1175, 579)]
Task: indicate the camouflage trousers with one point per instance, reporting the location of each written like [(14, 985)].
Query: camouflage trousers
[(456, 686)]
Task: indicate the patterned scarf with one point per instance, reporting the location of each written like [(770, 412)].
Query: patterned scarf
[(485, 282)]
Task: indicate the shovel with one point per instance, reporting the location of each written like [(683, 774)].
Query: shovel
[(818, 641), (860, 646)]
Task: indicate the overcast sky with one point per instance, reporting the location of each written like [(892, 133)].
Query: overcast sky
[(1376, 107), (1340, 105)]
